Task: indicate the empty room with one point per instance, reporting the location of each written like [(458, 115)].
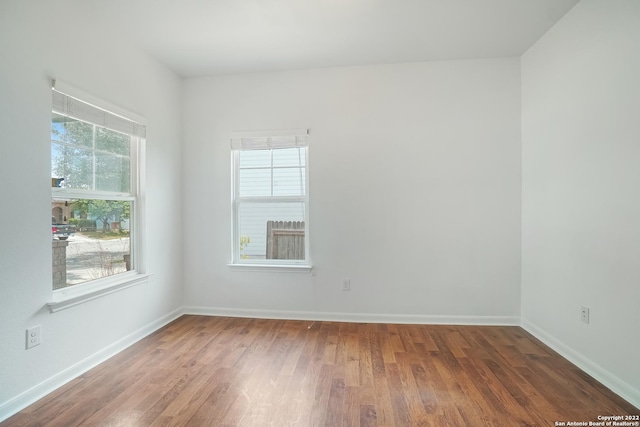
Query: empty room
[(306, 213)]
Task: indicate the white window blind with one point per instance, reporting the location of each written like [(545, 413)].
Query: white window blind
[(72, 107), (265, 140)]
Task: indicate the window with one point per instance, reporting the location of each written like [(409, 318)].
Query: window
[(95, 159), (270, 198)]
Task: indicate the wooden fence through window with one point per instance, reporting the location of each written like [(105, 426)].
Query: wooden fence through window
[(285, 239)]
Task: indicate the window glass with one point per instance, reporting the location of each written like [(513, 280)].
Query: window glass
[(289, 182), (253, 221), (270, 204), (255, 158), (255, 182), (72, 166), (97, 235), (93, 192), (289, 157), (112, 141), (71, 131), (112, 172)]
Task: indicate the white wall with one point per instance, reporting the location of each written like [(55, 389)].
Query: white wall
[(414, 186), (415, 191), (581, 175), (39, 40)]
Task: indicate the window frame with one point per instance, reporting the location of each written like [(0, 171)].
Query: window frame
[(236, 200), (72, 295)]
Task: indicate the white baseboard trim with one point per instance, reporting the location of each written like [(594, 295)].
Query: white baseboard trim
[(610, 381), (37, 392), (418, 319)]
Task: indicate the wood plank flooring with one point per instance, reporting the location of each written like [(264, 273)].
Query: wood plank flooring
[(217, 371)]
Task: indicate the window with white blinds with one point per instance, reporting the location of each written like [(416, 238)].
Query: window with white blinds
[(270, 198), (69, 106), (96, 157)]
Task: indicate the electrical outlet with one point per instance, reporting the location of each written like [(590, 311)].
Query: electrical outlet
[(584, 314), (33, 336), (346, 284)]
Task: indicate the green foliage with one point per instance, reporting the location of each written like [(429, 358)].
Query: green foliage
[(244, 241), (104, 210), (83, 224)]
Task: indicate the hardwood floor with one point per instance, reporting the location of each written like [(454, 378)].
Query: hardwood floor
[(216, 371)]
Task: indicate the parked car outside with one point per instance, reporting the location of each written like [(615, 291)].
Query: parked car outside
[(61, 231)]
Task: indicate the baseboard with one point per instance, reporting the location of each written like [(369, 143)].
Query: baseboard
[(419, 319), (612, 382), (37, 392)]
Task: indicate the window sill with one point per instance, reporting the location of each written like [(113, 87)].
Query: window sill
[(280, 268), (78, 294)]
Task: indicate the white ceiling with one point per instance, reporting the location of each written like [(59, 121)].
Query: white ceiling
[(203, 37)]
